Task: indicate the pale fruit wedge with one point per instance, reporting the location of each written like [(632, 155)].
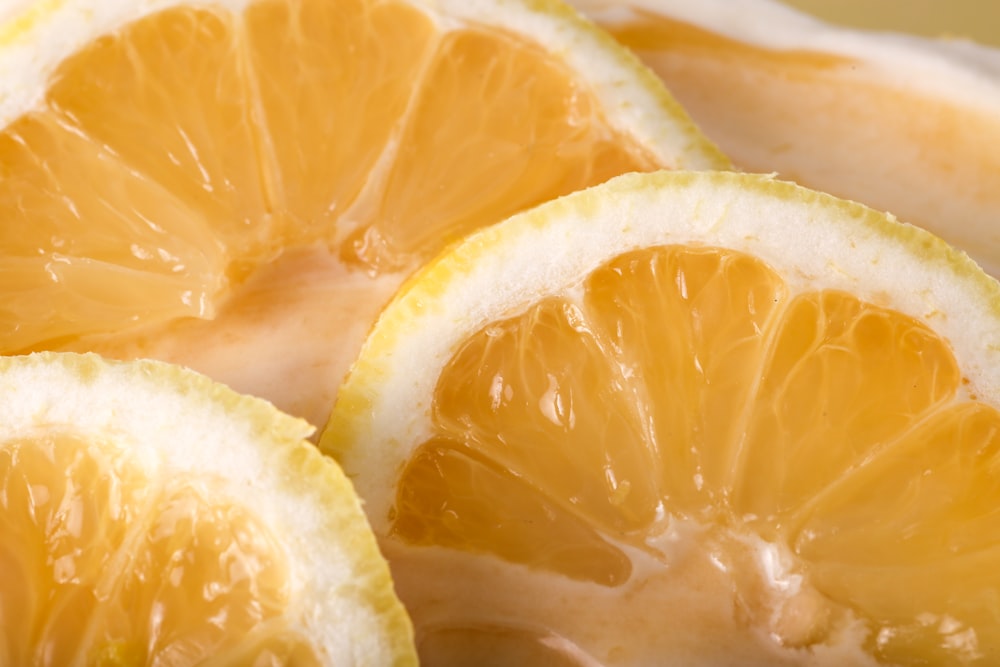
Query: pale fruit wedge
[(149, 516), (687, 418), (240, 185), (905, 124)]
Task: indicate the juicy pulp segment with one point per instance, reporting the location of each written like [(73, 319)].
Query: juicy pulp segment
[(714, 307), (104, 563), (170, 97), (843, 380), (334, 80), (456, 497), (176, 156), (691, 384), (518, 130), (929, 545), (152, 259)]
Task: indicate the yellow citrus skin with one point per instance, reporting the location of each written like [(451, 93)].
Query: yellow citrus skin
[(710, 418)]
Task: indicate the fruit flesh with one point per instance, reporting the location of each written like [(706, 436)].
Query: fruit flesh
[(175, 160), (104, 565), (691, 386)]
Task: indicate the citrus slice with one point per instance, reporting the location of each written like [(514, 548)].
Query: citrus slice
[(902, 123), (251, 179), (687, 418), (149, 516)]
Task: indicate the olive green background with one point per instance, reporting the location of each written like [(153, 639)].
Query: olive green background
[(978, 20)]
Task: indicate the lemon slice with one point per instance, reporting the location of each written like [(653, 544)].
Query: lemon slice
[(251, 179), (905, 124), (150, 516), (687, 418)]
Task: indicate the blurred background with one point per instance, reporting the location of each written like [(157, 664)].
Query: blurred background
[(978, 20)]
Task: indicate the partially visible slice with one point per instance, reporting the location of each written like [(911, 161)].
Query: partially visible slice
[(207, 183), (904, 124), (150, 516), (688, 418)]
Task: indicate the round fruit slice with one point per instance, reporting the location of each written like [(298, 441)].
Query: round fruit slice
[(688, 418), (904, 124), (208, 183), (149, 516)]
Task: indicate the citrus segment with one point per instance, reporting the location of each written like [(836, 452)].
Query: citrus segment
[(62, 282), (170, 98), (202, 575), (717, 307), (57, 498), (161, 161), (147, 518), (698, 398), (843, 379), (499, 394), (502, 97), (451, 496), (334, 80), (898, 122), (932, 546)]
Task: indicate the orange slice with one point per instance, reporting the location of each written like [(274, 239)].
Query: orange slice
[(687, 418), (149, 516), (250, 180)]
